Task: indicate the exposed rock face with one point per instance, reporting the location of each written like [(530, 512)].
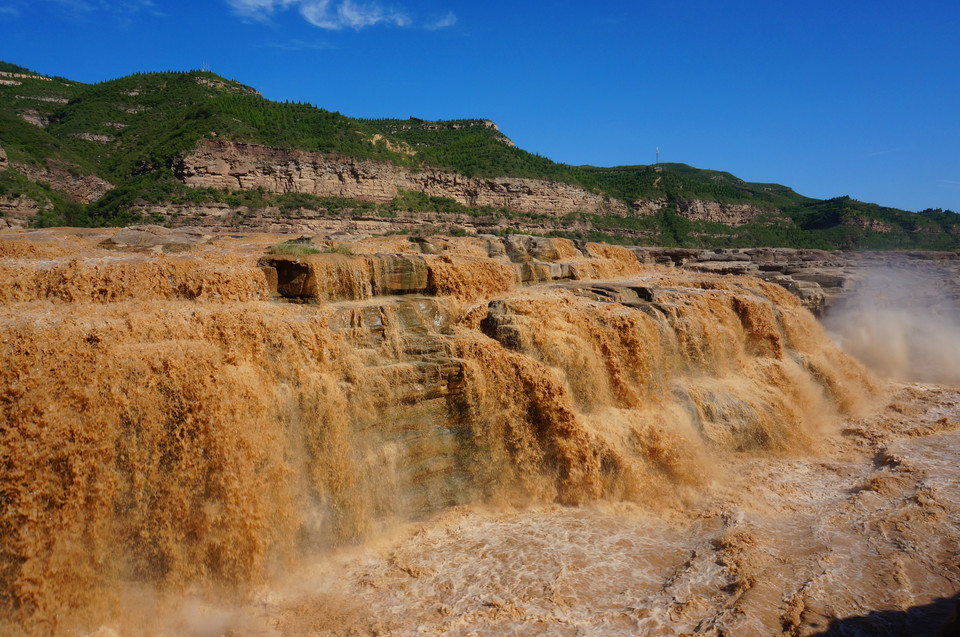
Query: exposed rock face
[(221, 164), (15, 212), (33, 116), (221, 217), (525, 195), (338, 276), (698, 210), (717, 212), (43, 98), (24, 76), (230, 165), (64, 177), (869, 224), (440, 266), (95, 137), (11, 223), (819, 278), (646, 207)]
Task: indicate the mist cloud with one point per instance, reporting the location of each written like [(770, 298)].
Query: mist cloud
[(903, 322)]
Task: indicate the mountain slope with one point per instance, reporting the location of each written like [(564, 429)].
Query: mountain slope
[(107, 153)]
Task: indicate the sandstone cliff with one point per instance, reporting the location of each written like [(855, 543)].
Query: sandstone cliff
[(222, 164), (731, 214), (16, 212), (66, 178)]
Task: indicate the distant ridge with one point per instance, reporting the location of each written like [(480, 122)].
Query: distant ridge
[(105, 154)]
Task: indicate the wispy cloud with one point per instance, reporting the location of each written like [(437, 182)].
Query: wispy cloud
[(78, 6), (9, 9), (446, 21), (950, 183), (259, 9), (124, 9), (333, 15), (300, 45)]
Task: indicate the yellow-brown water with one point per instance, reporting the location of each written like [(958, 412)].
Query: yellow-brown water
[(665, 453)]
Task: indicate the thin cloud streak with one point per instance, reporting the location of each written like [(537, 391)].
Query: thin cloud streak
[(447, 21), (122, 9), (300, 45), (326, 15), (260, 10), (333, 15)]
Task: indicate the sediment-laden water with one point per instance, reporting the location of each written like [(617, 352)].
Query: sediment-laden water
[(423, 444)]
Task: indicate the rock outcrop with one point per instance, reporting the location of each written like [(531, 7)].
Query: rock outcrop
[(66, 178), (818, 277), (719, 212), (731, 214), (33, 116), (223, 164), (16, 212)]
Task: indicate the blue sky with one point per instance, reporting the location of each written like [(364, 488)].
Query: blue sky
[(830, 98)]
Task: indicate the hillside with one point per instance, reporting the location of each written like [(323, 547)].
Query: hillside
[(194, 148)]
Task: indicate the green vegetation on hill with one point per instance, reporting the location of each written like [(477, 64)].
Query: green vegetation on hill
[(130, 131)]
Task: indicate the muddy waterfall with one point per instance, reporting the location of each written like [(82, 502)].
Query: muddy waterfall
[(201, 420)]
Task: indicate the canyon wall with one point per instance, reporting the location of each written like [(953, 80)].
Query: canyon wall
[(731, 214), (222, 164)]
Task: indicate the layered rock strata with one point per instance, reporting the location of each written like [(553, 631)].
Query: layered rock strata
[(818, 277), (223, 164), (731, 214), (66, 178), (467, 268)]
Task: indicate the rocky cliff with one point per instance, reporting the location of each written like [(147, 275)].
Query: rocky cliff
[(731, 214), (66, 178), (223, 164)]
